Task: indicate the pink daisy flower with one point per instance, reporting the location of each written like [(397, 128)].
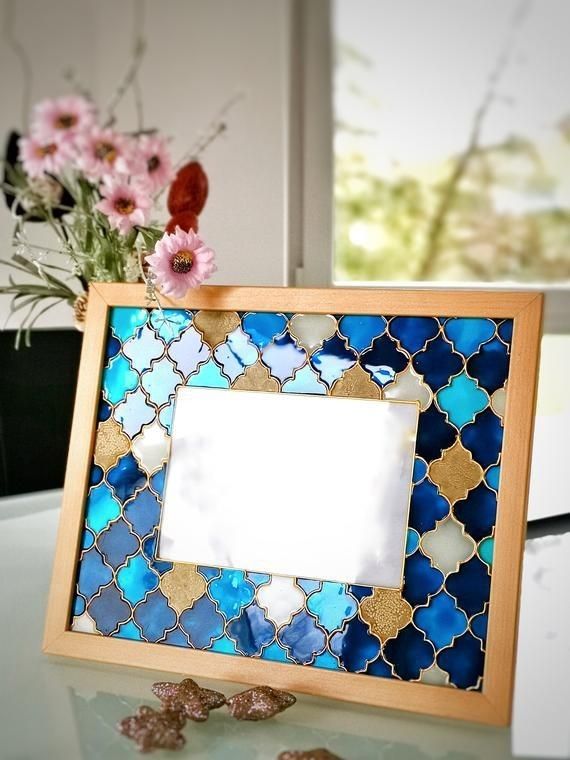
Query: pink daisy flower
[(157, 167), (180, 261), (104, 153), (124, 204), (64, 117), (41, 157)]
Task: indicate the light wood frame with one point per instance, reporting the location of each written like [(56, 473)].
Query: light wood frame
[(491, 705)]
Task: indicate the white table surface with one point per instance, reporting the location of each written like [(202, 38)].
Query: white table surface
[(64, 709)]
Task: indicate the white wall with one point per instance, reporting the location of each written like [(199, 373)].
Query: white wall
[(199, 54)]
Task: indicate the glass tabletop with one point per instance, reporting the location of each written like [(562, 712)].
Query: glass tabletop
[(64, 709)]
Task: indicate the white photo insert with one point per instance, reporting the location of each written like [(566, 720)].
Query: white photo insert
[(290, 484)]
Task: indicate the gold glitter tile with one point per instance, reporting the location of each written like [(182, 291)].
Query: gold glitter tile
[(215, 326), (110, 443), (455, 473), (356, 382), (256, 378), (385, 612), (182, 586)]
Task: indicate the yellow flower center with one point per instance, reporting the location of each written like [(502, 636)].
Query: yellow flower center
[(105, 151), (182, 262), (66, 121), (124, 206)]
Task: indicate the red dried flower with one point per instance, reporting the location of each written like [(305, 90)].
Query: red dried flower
[(186, 220), (189, 190)]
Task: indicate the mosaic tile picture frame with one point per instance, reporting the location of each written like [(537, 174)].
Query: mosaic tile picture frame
[(445, 643)]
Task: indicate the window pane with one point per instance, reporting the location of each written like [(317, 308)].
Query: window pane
[(452, 140)]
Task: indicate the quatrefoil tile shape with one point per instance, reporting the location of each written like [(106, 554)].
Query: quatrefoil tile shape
[(110, 443), (143, 347), (151, 447), (182, 586), (462, 399), (447, 545), (455, 473), (385, 612), (360, 330), (215, 326), (311, 330), (281, 598)]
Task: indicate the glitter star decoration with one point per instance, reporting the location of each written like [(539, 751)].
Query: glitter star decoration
[(188, 698), (259, 703), (151, 729)]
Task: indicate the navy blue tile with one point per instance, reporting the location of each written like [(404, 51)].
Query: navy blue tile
[(438, 362), (470, 585), (483, 438), (420, 579), (434, 434), (463, 661), (427, 506), (478, 511), (409, 653), (413, 332), (384, 360), (490, 365)]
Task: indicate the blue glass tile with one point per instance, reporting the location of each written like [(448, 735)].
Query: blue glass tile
[(332, 605), (379, 668), (225, 645), (470, 586), (129, 631), (461, 400), (484, 438), (165, 416), (355, 646), (112, 348), (78, 605), (412, 541), (87, 540), (505, 330), (101, 508), (149, 551), (108, 610), (251, 630), (154, 616), (420, 470), (236, 354), (479, 624), (490, 366), (360, 330), (437, 363), (143, 348), (477, 511), (93, 573), (275, 653), (420, 579), (143, 512), (134, 412), (189, 352), (327, 661), (177, 638), (360, 592), (104, 411), (302, 638), (440, 620), (136, 579), (258, 579), (126, 477), (209, 376), (434, 434), (333, 359), (413, 332), (263, 327), (485, 550), (492, 476), (160, 382), (384, 360), (209, 572), (202, 622), (118, 379), (157, 481), (124, 321), (169, 324), (409, 653), (283, 357), (231, 592), (116, 543), (305, 381), (463, 661), (96, 475), (468, 333), (427, 506), (308, 586)]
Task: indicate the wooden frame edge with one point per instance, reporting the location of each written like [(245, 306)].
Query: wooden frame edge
[(492, 705)]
